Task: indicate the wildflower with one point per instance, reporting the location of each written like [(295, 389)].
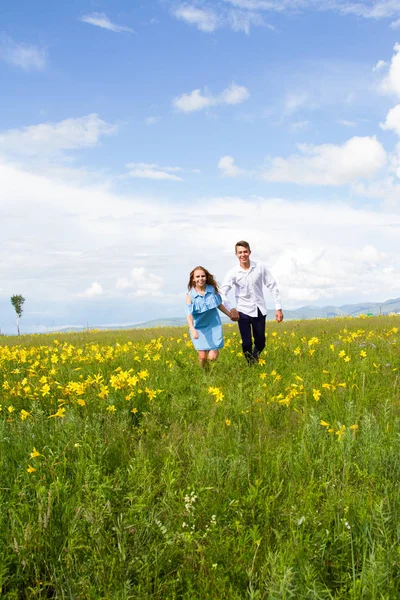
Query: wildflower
[(340, 432), (143, 374), (227, 422), (342, 353), (324, 423), (45, 390), (25, 414), (111, 408), (81, 402), (134, 410), (217, 393), (347, 359), (10, 409), (103, 392), (150, 393), (34, 453), (30, 469), (316, 394), (60, 414), (363, 354), (263, 375)]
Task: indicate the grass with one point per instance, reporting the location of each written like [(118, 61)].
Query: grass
[(134, 474)]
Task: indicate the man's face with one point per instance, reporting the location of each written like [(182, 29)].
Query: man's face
[(243, 255)]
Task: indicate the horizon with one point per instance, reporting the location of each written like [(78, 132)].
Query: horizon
[(158, 321)]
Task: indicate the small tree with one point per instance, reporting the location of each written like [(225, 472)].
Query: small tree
[(18, 301)]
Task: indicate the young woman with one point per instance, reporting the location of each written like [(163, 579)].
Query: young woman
[(202, 304)]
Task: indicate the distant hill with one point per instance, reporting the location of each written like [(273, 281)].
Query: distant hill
[(305, 312)]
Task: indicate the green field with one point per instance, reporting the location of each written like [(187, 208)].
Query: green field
[(128, 472)]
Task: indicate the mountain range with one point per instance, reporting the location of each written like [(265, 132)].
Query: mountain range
[(305, 312)]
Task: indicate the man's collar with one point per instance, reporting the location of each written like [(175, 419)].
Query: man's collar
[(252, 265)]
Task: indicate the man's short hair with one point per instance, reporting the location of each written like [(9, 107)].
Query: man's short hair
[(242, 243)]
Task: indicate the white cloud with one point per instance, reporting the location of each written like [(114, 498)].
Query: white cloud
[(153, 171), (205, 20), (100, 19), (329, 164), (294, 101), (379, 65), (192, 102), (50, 138), (299, 126), (25, 56), (240, 15), (347, 123), (152, 120), (141, 283), (392, 122), (58, 235), (227, 166), (391, 83), (92, 291), (195, 100)]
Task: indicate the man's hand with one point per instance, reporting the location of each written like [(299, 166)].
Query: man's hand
[(234, 314), (278, 316)]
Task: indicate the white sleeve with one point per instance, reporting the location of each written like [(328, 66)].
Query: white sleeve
[(225, 289)]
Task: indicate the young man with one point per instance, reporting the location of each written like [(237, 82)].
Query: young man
[(249, 278)]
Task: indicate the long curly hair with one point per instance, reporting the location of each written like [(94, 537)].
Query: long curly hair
[(210, 280)]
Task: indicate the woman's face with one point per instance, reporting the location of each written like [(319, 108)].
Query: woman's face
[(199, 278)]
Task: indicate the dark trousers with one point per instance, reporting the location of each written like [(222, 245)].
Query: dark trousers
[(252, 327)]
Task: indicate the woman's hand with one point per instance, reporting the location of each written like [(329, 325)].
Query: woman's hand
[(195, 334)]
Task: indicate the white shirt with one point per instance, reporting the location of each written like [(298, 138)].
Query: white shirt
[(248, 286)]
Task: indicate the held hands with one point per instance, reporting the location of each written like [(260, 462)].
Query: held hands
[(234, 315), (278, 316)]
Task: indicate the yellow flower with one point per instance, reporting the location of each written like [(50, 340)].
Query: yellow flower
[(10, 409), (363, 354), (111, 408), (324, 423), (316, 394), (263, 375), (347, 359), (25, 414), (34, 453), (30, 469), (45, 389), (143, 374), (81, 402), (60, 414), (227, 422), (342, 353), (150, 393), (134, 411), (340, 432), (261, 361)]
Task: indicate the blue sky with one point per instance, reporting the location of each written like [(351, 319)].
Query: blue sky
[(138, 140)]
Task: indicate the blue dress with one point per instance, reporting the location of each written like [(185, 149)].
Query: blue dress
[(206, 319)]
